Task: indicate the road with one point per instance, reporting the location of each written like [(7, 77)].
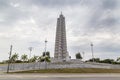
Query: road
[(57, 76), (63, 79)]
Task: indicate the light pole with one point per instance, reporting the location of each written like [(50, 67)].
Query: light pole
[(45, 54), (30, 48), (45, 46), (92, 51), (9, 61), (83, 55)]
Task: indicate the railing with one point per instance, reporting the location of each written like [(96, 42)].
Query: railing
[(41, 65)]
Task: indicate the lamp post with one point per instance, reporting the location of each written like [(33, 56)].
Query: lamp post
[(9, 61), (30, 48), (45, 54), (92, 51), (83, 55)]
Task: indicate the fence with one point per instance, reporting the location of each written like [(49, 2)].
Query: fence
[(43, 65)]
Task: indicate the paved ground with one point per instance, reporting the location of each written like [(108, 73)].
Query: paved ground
[(63, 76), (62, 79)]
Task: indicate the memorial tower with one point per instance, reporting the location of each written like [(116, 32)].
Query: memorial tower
[(60, 42)]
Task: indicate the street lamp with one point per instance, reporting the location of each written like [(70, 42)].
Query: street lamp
[(9, 61), (92, 51), (45, 46), (45, 53), (83, 55), (30, 48)]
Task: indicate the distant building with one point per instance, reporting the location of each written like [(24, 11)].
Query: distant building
[(60, 42)]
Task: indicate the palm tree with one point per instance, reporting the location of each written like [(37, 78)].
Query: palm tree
[(24, 57), (44, 58), (39, 59), (47, 59), (34, 58), (14, 57), (118, 59)]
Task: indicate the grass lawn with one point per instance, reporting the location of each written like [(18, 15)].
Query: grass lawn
[(3, 64), (78, 70)]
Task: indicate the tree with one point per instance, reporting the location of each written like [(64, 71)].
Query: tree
[(118, 59), (40, 59), (14, 57), (43, 54), (78, 56), (47, 53), (44, 57), (110, 61), (47, 58), (33, 59), (24, 57), (95, 59)]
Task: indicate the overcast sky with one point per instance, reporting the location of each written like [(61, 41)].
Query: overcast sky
[(25, 23)]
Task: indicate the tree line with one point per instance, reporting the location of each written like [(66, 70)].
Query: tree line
[(24, 58), (46, 57), (98, 60)]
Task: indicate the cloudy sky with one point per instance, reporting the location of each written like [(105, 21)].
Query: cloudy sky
[(25, 23)]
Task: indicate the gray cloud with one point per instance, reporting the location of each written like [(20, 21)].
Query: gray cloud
[(103, 16), (110, 4), (26, 23), (55, 3)]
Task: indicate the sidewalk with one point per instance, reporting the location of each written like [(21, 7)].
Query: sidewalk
[(54, 75)]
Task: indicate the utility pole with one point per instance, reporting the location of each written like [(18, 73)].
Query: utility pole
[(45, 54), (9, 61), (30, 48), (83, 55), (92, 51)]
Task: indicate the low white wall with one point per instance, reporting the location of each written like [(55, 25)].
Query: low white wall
[(39, 65)]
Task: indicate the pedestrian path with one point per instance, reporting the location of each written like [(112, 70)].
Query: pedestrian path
[(62, 75)]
